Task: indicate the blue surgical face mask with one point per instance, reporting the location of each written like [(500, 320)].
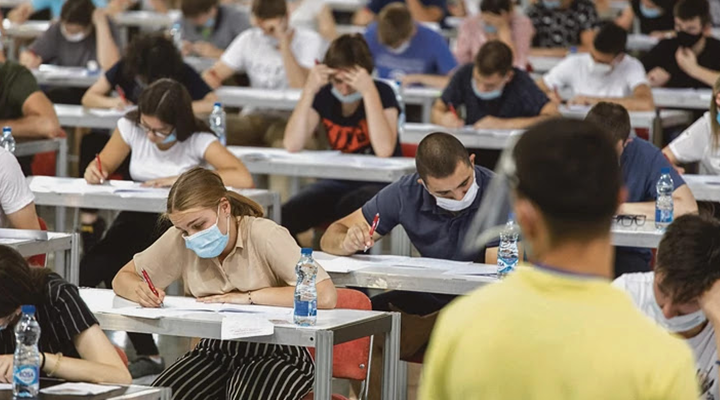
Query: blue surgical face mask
[(209, 243), (350, 98), (170, 138), (209, 23), (717, 117), (552, 4), (486, 95), (650, 12), (489, 29)]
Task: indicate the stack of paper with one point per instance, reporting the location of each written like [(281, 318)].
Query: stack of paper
[(78, 389)]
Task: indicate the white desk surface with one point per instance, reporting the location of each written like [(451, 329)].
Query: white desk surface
[(200, 64), (704, 187), (26, 30), (492, 139), (52, 75), (646, 236), (30, 147), (694, 99), (233, 96), (78, 116), (638, 119), (148, 19), (346, 5)]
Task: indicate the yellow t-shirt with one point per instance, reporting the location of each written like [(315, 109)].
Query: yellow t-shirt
[(550, 336)]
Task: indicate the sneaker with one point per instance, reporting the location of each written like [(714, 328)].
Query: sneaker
[(92, 233), (145, 366)]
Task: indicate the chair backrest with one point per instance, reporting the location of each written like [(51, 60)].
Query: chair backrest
[(39, 260)]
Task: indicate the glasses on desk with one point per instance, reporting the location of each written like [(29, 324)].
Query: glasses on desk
[(630, 219)]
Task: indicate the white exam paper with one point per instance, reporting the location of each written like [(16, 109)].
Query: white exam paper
[(237, 326), (78, 389)]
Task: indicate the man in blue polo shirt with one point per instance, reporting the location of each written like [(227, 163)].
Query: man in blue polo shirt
[(408, 52), (640, 163), (491, 94), (421, 10)]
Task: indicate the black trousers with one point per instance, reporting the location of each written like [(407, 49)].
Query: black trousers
[(129, 234)]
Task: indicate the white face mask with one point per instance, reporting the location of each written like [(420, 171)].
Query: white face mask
[(682, 323), (73, 37), (459, 205), (400, 49)]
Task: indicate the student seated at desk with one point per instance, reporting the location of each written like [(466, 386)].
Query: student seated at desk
[(530, 336), (209, 27), (690, 59), (274, 56), (408, 52), (641, 164), (435, 206), (315, 15), (421, 10), (561, 25), (225, 252), (605, 73), (499, 20), (164, 139), (655, 17), (360, 116), (22, 13), (17, 207), (493, 94), (682, 295), (72, 345), (700, 142)]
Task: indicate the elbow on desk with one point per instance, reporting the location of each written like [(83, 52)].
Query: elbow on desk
[(120, 376), (291, 147), (327, 299)]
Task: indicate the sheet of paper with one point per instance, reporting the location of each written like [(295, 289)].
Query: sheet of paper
[(5, 386), (146, 313), (78, 389), (238, 326), (431, 263), (472, 270), (344, 265), (110, 112)]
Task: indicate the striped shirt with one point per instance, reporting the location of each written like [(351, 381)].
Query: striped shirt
[(62, 316)]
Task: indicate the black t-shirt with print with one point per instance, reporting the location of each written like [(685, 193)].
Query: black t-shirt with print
[(562, 27)]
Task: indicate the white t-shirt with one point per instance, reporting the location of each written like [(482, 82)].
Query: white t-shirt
[(15, 193), (255, 54), (148, 162), (696, 144), (640, 288), (305, 16), (574, 73)]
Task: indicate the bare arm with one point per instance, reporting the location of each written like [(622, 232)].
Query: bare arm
[(97, 96), (127, 284), (441, 115), (363, 17), (232, 171), (25, 218), (21, 13), (423, 13), (107, 50), (626, 19), (704, 75), (284, 296), (640, 100), (215, 76), (39, 119), (683, 203), (348, 235), (111, 156), (382, 124), (302, 123), (296, 74), (204, 106), (30, 60), (326, 24)]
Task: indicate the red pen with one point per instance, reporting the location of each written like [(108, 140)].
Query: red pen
[(374, 226), (121, 93), (99, 165), (453, 110), (147, 280)]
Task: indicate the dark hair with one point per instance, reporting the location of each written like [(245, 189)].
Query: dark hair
[(610, 39), (170, 102), (77, 12), (152, 57), (19, 283), (686, 10), (494, 57), (348, 51), (570, 170), (688, 257), (438, 155), (611, 118), (269, 9), (395, 24), (193, 8), (495, 6)]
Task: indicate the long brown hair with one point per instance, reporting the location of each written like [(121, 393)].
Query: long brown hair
[(202, 188), (713, 116), (19, 284)]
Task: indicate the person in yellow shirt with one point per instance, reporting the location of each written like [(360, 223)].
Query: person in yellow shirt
[(558, 330)]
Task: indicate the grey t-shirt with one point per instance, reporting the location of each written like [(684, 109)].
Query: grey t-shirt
[(229, 23), (54, 49)]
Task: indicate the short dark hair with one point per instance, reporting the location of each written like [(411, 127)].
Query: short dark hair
[(348, 51), (494, 57), (152, 56), (77, 12), (688, 257), (570, 170), (269, 9), (496, 6), (438, 155), (170, 102), (19, 283), (395, 24), (193, 8), (611, 39), (612, 118), (686, 10)]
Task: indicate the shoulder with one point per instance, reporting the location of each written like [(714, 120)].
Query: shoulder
[(11, 67), (7, 159), (61, 292), (631, 62), (667, 44), (426, 33), (384, 89), (126, 126), (483, 175), (190, 72), (644, 147), (522, 79), (262, 230), (713, 43), (406, 185), (302, 35)]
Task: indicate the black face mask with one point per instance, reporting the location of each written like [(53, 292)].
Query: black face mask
[(687, 40)]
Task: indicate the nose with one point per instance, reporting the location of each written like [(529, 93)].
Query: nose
[(668, 310), (459, 194)]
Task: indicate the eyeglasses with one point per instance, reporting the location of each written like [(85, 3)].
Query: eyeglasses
[(629, 220), (161, 135)]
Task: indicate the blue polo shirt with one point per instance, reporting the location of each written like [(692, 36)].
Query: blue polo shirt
[(435, 232), (640, 164), (428, 54), (377, 5), (521, 97)]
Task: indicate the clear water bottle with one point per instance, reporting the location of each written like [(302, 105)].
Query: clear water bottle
[(664, 201), (217, 122), (176, 34), (305, 311), (8, 141), (26, 363), (508, 252)]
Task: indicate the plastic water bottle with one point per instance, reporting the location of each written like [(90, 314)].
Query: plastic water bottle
[(8, 141), (664, 202), (508, 252), (176, 34), (305, 311), (217, 122), (26, 363)]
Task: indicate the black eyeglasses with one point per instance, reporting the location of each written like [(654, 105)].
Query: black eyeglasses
[(629, 220)]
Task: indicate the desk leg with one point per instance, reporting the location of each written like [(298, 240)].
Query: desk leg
[(391, 357), (73, 272), (323, 364), (294, 185), (61, 170), (276, 209), (426, 111)]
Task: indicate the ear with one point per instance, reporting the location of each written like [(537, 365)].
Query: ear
[(472, 159), (510, 75), (420, 181), (526, 216), (225, 205)]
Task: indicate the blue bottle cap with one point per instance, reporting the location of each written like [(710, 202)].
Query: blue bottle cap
[(28, 309), (7, 129), (665, 170), (511, 216), (306, 251), (217, 104)]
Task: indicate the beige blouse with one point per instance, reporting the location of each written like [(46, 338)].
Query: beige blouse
[(264, 256)]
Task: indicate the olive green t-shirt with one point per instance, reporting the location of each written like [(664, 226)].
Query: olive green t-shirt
[(17, 83)]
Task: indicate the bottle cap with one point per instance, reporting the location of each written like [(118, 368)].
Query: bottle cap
[(665, 170), (28, 309), (7, 129), (306, 251), (217, 104)]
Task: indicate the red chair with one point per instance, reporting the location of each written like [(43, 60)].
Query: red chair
[(122, 355), (408, 149), (39, 260), (351, 360)]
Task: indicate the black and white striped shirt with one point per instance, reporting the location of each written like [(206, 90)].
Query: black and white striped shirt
[(62, 316)]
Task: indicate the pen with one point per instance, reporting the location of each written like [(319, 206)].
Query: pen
[(99, 165), (453, 110), (147, 280), (374, 226), (121, 93)]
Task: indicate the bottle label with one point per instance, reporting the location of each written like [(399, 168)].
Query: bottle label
[(305, 308), (26, 375)]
